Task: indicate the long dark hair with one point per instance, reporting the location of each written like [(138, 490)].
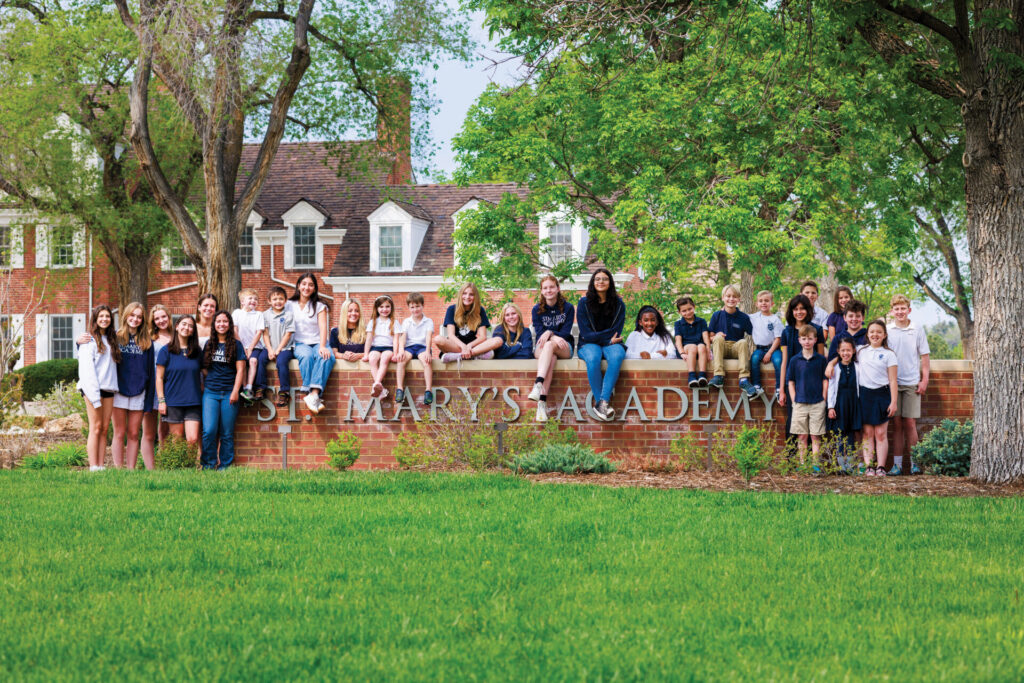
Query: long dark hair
[(799, 300), (836, 308), (191, 344), (660, 329), (108, 334), (594, 304), (314, 298), (214, 340)]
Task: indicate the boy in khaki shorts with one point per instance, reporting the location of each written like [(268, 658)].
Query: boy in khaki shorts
[(910, 344), (805, 379)]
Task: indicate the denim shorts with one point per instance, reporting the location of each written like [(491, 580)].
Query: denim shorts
[(178, 414)]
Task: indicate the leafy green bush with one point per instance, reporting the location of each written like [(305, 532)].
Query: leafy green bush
[(63, 400), (946, 449), (41, 378), (176, 454), (10, 397), (568, 458), (688, 452), (343, 451), (64, 455), (751, 452)]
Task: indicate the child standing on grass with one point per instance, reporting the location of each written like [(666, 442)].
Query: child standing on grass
[(552, 317), (835, 322), (692, 341), (730, 329), (844, 419), (224, 364), (249, 326), (414, 335), (853, 327), (767, 335), (876, 371), (278, 330), (650, 338), (154, 429), (379, 346), (179, 381), (135, 383), (807, 390), (798, 314), (97, 381), (910, 344)]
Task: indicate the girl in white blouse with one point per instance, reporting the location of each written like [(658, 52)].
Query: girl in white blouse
[(311, 340)]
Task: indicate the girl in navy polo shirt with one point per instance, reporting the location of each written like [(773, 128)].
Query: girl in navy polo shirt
[(224, 364), (601, 315), (552, 318), (153, 430), (466, 324), (836, 323), (179, 377), (135, 384)]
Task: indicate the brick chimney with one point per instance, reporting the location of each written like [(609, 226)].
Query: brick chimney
[(394, 129)]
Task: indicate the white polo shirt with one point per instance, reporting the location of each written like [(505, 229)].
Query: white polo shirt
[(873, 366), (249, 325), (909, 344), (820, 316), (418, 332), (766, 328)]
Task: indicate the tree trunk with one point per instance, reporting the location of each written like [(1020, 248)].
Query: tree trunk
[(966, 326), (131, 268), (994, 171), (747, 293)]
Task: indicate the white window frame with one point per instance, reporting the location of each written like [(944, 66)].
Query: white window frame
[(294, 250), (381, 232), (304, 213), (413, 231), (44, 257), (42, 337), (253, 246), (166, 264), (580, 236), (255, 220), (15, 222), (16, 329)]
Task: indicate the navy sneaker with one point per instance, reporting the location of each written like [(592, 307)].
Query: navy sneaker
[(399, 395), (428, 397), (694, 382), (895, 471), (718, 381), (914, 469), (746, 386), (703, 379)]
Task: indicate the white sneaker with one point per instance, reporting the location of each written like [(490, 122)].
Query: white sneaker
[(451, 357), (95, 468), (319, 404), (542, 412), (383, 394), (535, 394), (310, 401), (486, 356)]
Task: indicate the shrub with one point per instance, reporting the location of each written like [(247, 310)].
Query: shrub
[(752, 451), (63, 400), (688, 452), (10, 397), (41, 378), (176, 454), (946, 449), (64, 455), (568, 458), (343, 451)]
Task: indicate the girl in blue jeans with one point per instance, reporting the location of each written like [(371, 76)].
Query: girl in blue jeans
[(601, 315), (312, 349), (224, 364)]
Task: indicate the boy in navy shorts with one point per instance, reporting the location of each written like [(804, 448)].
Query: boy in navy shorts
[(692, 340), (414, 335)]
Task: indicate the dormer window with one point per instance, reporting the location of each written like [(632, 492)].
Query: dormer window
[(306, 236), (397, 230), (566, 238), (304, 246)]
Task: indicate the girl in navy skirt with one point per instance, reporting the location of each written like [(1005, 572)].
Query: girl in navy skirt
[(844, 420), (876, 374)]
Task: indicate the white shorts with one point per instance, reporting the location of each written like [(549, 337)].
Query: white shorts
[(130, 402)]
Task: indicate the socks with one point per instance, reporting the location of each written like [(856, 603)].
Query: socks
[(539, 380), (543, 398), (899, 461)]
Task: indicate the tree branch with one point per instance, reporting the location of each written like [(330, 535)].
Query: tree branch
[(929, 21), (37, 11), (890, 48), (932, 159), (934, 296)]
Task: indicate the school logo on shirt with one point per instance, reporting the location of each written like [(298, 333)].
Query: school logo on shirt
[(771, 327), (881, 356), (465, 329), (221, 354), (131, 348)]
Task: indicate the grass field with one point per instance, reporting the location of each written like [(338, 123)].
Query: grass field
[(271, 576)]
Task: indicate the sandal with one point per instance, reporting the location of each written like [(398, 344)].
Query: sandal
[(880, 472), (282, 400)]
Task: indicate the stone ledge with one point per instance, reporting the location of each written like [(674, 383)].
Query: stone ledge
[(575, 364)]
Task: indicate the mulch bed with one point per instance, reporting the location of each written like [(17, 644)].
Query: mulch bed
[(920, 485)]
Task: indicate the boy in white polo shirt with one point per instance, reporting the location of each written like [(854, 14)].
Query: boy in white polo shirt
[(249, 326), (766, 331), (414, 335), (910, 344)]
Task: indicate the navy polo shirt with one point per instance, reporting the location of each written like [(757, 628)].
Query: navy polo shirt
[(860, 338), (181, 378), (734, 325), (692, 333), (808, 374)]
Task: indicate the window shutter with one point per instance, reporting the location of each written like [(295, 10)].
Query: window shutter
[(77, 327), (17, 246), (17, 328), (42, 248), (78, 242), (42, 338)]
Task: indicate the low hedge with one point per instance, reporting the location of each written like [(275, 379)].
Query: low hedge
[(41, 378)]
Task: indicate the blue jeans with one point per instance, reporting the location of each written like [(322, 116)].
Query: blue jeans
[(755, 366), (313, 369), (219, 416), (260, 380), (283, 376), (592, 355)]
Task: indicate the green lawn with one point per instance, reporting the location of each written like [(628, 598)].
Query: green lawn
[(270, 576)]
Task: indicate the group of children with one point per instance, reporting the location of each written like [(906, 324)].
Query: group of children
[(868, 375)]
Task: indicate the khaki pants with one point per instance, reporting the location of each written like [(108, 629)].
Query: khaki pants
[(722, 349)]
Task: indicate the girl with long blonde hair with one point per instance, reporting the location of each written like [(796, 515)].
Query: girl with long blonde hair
[(135, 380), (466, 324)]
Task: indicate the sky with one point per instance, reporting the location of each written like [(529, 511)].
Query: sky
[(459, 84)]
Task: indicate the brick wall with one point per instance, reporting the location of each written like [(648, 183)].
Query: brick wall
[(950, 394)]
